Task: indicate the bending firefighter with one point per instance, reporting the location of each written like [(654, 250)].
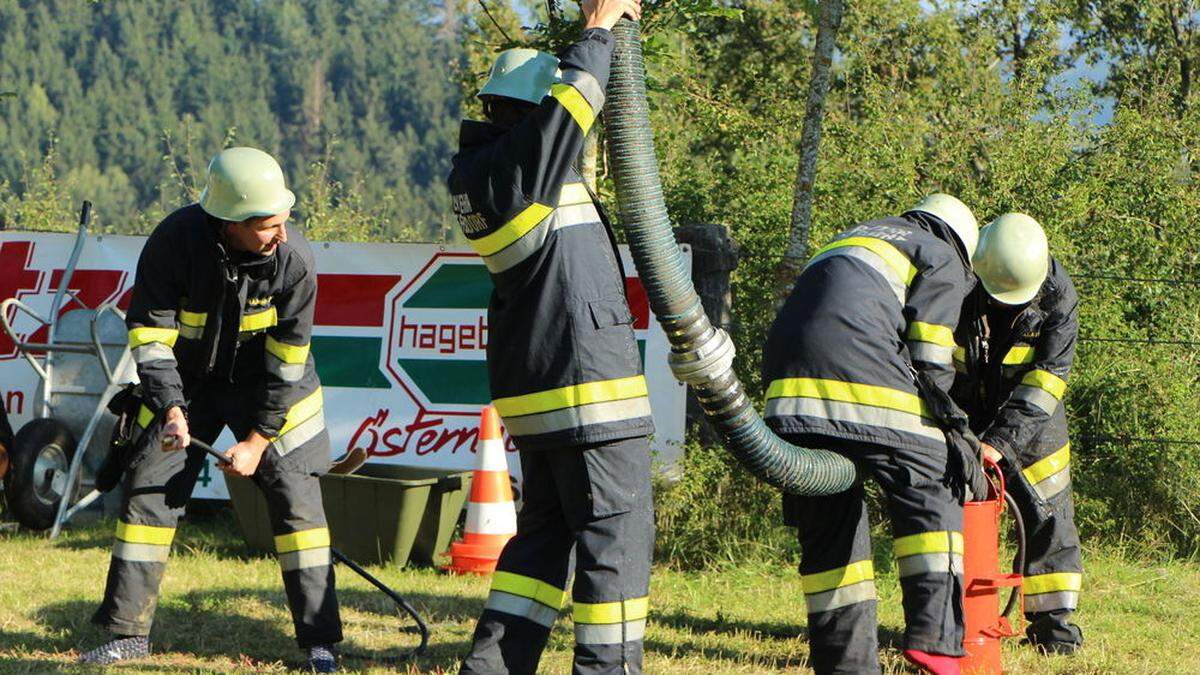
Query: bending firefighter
[(219, 326), (1018, 349), (873, 311), (565, 370)]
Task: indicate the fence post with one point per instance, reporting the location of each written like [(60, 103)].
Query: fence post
[(714, 257)]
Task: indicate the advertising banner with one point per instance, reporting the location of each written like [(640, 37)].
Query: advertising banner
[(400, 339)]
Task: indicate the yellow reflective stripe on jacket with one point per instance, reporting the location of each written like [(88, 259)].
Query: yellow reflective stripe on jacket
[(512, 230), (193, 319), (819, 582), (941, 541), (895, 259), (575, 104), (1048, 466), (1046, 381), (611, 612), (146, 334), (848, 392), (259, 320), (1019, 355), (145, 416), (1052, 583), (528, 587), (145, 534), (287, 353), (304, 539), (571, 396), (943, 336), (303, 409)]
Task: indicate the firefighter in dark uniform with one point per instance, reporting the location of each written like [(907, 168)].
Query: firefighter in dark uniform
[(1018, 347), (219, 327), (564, 368), (872, 308)]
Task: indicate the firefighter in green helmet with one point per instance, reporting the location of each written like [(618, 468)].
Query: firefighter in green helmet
[(1018, 340), (219, 326)]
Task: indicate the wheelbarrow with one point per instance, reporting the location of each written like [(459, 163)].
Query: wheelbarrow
[(47, 458)]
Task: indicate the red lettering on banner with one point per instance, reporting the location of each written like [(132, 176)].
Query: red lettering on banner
[(352, 299), (14, 402), (17, 278), (425, 435), (89, 289), (446, 338)]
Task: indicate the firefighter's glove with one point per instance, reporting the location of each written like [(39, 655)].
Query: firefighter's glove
[(243, 458), (175, 434)]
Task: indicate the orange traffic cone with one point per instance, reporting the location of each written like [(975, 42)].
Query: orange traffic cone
[(491, 516)]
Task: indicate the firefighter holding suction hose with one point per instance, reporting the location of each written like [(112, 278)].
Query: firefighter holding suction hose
[(865, 337), (1018, 334), (219, 327), (564, 367)]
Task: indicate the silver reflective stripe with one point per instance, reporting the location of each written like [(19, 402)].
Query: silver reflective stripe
[(610, 633), (587, 85), (301, 433), (854, 413), (1047, 602), (309, 557), (532, 241), (1014, 372), (153, 351), (131, 552), (1054, 484), (840, 597), (531, 609), (288, 372), (1037, 396), (929, 563), (873, 261), (931, 353), (579, 416), (191, 332)]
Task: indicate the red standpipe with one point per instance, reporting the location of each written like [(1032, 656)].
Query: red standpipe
[(983, 580)]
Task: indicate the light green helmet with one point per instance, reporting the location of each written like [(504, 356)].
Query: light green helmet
[(523, 74), (245, 183), (1013, 258), (955, 214)]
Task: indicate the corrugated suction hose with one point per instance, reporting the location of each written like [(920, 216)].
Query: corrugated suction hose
[(701, 355)]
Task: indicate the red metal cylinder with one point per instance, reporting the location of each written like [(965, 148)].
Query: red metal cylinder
[(983, 582)]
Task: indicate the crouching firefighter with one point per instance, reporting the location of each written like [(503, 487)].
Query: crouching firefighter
[(1019, 335), (219, 326), (870, 318), (564, 368)]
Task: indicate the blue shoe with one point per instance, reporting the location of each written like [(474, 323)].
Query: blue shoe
[(118, 649), (322, 659)]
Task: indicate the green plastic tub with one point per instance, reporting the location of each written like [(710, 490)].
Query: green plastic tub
[(381, 514)]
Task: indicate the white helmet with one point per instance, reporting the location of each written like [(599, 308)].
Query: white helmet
[(955, 214), (523, 74), (1013, 258), (245, 183)]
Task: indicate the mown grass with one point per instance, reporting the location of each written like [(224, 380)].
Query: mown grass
[(222, 610)]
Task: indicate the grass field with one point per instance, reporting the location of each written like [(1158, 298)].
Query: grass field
[(223, 611)]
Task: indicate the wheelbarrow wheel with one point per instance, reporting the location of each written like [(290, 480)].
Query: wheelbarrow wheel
[(40, 458)]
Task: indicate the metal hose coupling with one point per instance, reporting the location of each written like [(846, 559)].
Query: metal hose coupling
[(701, 355), (703, 361)]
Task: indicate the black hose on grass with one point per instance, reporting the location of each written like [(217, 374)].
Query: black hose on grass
[(357, 569), (701, 355)]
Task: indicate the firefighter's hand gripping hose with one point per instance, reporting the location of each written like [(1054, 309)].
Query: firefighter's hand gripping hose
[(701, 355), (383, 588)]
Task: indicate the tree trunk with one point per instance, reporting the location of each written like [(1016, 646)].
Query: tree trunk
[(828, 23)]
